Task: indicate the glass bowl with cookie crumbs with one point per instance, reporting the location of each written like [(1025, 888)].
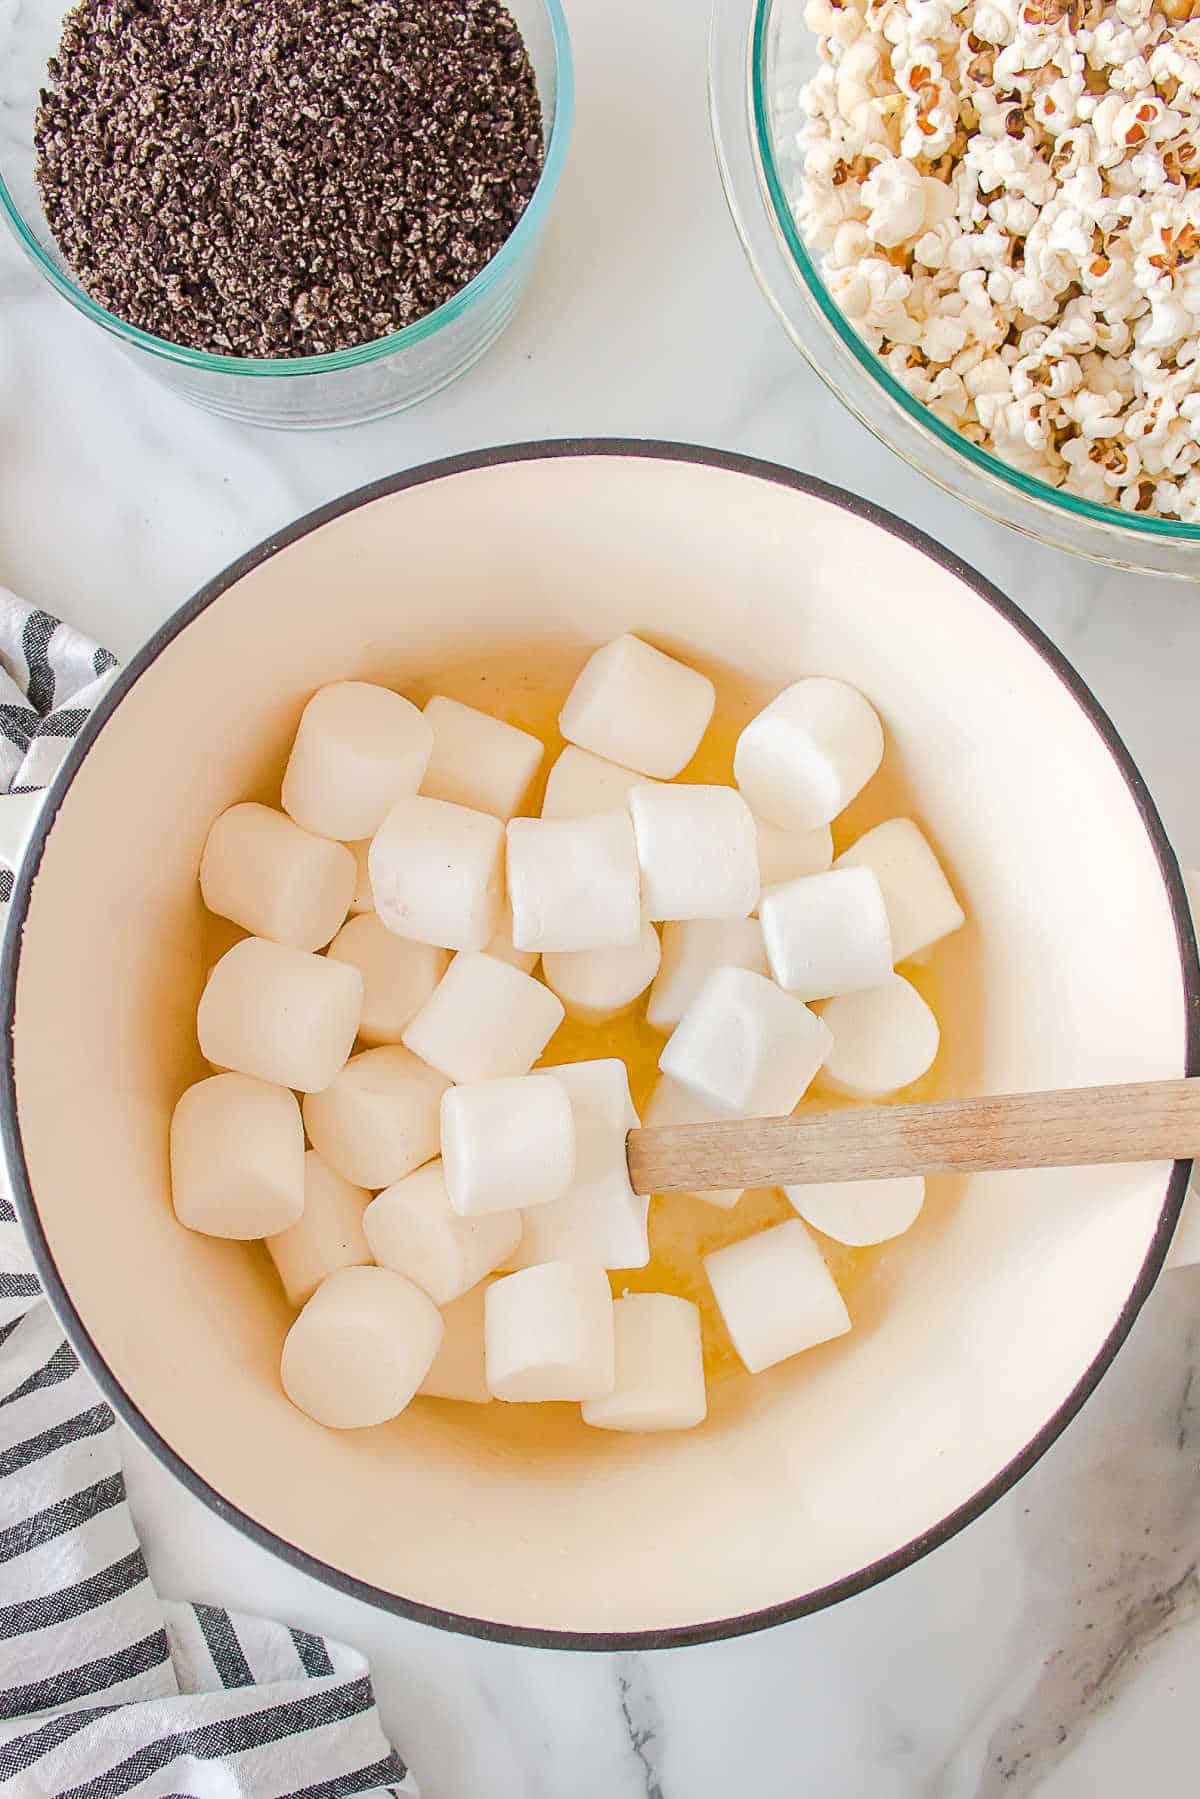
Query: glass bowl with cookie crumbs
[(979, 220), (298, 213)]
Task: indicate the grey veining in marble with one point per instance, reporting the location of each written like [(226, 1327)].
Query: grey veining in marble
[(1054, 1647)]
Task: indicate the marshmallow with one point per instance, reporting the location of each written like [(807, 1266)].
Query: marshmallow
[(639, 708), (921, 907), (459, 1370), (327, 1236), (574, 883), (672, 1104), (501, 946), (477, 760), (883, 1039), (507, 1144), (398, 975), (698, 851), (600, 1218), (357, 750), (659, 1367), (860, 1212), (275, 880), (360, 1348), (827, 934), (437, 873), (379, 1119), (549, 1333), (279, 1013), (691, 950), (807, 754), (364, 899), (598, 984), (580, 783), (776, 1295), (783, 855), (484, 1020), (744, 1047), (237, 1157), (411, 1228)]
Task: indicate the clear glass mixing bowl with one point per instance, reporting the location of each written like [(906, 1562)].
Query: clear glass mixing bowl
[(751, 43), (345, 387)]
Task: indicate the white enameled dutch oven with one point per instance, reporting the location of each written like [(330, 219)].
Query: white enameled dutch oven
[(976, 1337)]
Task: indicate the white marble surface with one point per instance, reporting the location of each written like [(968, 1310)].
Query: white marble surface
[(1054, 1648)]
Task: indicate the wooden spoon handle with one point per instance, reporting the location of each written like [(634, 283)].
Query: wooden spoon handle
[(1150, 1121)]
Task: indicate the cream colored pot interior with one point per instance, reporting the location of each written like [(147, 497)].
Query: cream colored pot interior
[(970, 1332)]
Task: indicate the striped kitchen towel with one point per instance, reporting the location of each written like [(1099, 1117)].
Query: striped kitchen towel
[(104, 1688), (50, 678)]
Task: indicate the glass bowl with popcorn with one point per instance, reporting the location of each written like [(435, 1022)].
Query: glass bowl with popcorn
[(980, 222)]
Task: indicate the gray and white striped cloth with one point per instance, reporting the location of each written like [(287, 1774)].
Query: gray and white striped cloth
[(104, 1688), (50, 678)]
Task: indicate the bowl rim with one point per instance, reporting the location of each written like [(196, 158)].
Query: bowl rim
[(709, 1630), (521, 238), (1140, 525)]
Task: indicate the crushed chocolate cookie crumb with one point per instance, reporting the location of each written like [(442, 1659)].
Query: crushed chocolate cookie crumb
[(285, 177)]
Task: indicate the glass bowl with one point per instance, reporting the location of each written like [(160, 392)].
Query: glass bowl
[(344, 387), (751, 41)]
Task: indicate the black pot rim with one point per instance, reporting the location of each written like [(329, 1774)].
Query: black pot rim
[(714, 1629)]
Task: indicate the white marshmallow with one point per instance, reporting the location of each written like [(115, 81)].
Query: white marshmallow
[(501, 946), (437, 873), (478, 760), (507, 1144), (329, 1235), (398, 975), (827, 934), (807, 754), (459, 1368), (598, 984), (921, 906), (364, 899), (484, 1020), (411, 1228), (600, 1218), (549, 1333), (275, 880), (357, 750), (279, 1013), (783, 855), (744, 1047), (698, 851), (883, 1039), (691, 950), (659, 1367), (574, 882), (580, 783), (672, 1104), (635, 706), (237, 1157), (860, 1212), (776, 1295), (360, 1348), (379, 1119)]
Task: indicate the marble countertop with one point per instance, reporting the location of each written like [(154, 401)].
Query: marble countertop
[(1054, 1647)]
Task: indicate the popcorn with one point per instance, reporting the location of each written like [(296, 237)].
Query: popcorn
[(895, 192), (1003, 197)]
